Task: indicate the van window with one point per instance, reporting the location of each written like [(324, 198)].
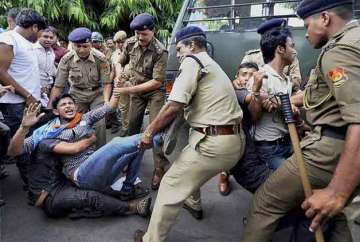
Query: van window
[(238, 15)]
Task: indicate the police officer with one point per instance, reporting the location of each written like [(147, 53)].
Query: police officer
[(256, 56), (121, 117), (332, 149), (146, 60), (216, 140), (87, 74), (97, 42)]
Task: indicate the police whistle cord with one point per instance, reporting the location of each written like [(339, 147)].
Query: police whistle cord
[(290, 121)]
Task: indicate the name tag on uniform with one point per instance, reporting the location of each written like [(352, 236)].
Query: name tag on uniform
[(83, 123)]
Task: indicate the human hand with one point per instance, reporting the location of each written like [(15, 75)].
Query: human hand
[(31, 115), (322, 205), (117, 91), (239, 84), (90, 140), (5, 89), (258, 81), (146, 141), (269, 104)]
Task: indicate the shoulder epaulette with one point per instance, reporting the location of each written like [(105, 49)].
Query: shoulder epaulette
[(68, 56), (159, 47), (99, 55)]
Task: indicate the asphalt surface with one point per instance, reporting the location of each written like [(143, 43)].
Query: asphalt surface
[(222, 217)]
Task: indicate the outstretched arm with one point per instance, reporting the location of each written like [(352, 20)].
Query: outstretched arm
[(30, 118)]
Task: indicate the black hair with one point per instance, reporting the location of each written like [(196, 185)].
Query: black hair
[(13, 12), (59, 98), (50, 29), (199, 41), (343, 11), (249, 65), (28, 17), (271, 39)]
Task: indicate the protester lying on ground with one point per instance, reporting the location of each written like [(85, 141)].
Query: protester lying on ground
[(58, 197), (86, 167)]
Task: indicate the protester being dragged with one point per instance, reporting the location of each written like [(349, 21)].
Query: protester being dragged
[(87, 167)]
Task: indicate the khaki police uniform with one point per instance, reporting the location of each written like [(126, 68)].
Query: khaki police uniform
[(144, 65), (209, 102), (124, 99), (86, 79), (332, 103), (293, 71)]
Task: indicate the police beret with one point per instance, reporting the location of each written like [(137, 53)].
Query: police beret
[(188, 32), (80, 35), (271, 23), (97, 37), (142, 22), (307, 8), (120, 35)]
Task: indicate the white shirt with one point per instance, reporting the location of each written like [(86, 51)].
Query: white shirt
[(46, 61), (271, 126), (24, 66)]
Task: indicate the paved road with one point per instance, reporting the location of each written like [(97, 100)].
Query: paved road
[(222, 222)]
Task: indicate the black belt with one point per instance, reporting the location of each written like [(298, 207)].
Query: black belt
[(334, 132), (280, 141), (88, 88)]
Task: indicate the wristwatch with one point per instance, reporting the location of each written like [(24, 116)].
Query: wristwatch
[(148, 134)]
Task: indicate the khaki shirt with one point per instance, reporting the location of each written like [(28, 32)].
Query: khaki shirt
[(107, 52), (293, 71), (332, 94), (209, 101), (144, 64), (115, 56), (85, 77)]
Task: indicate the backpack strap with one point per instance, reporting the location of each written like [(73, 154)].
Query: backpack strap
[(203, 70)]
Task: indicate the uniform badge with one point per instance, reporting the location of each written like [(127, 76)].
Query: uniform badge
[(338, 76)]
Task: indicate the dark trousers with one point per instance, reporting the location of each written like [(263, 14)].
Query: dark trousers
[(77, 203), (4, 140)]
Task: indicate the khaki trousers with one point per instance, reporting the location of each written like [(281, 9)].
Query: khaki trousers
[(123, 107), (282, 191), (100, 127), (138, 103), (203, 158)]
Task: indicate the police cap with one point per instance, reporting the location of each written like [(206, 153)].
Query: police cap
[(271, 23), (80, 35), (142, 22), (308, 8), (188, 32), (96, 37), (120, 35)]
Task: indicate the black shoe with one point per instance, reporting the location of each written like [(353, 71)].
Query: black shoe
[(134, 193), (143, 207), (197, 214)]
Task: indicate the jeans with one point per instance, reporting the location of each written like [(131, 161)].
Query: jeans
[(101, 169), (274, 154)]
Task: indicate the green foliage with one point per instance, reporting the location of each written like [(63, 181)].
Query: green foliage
[(107, 16)]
